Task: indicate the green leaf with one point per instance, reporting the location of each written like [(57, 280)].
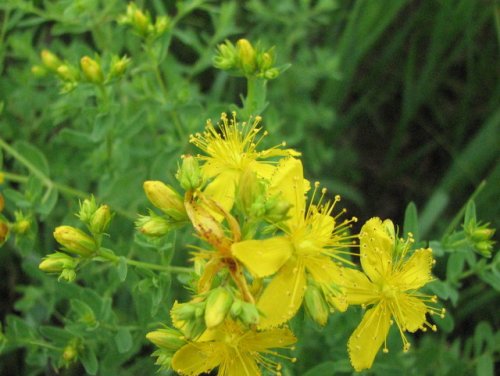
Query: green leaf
[(484, 365), (89, 360), (123, 340), (455, 266), (48, 202), (122, 269), (322, 369), (33, 155), (411, 221), (483, 338), (470, 213), (56, 335)]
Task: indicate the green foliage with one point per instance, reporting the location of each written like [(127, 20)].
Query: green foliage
[(389, 102)]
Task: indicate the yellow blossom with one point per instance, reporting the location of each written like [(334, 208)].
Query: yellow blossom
[(308, 249), (389, 285), (234, 349), (231, 149)]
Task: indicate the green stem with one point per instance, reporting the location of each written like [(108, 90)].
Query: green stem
[(458, 217), (110, 255)]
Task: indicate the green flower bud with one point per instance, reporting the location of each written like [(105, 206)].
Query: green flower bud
[(140, 22), (226, 56), (38, 71), (246, 56), (484, 247), (118, 66), (218, 305), (70, 352), (266, 61), (51, 61), (153, 225), (236, 308), (99, 222), (67, 275), (166, 199), (271, 74), (87, 209), (75, 241), (250, 194), (91, 70), (161, 25), (167, 339), (21, 226), (482, 233), (316, 306), (189, 174), (57, 262), (277, 209), (67, 73), (249, 314)]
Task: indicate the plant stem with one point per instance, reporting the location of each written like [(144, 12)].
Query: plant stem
[(109, 255)]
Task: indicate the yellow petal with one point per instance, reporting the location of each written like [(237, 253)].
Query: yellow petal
[(376, 247), (262, 169), (366, 340), (239, 363), (268, 339), (409, 312), (283, 296), (416, 272), (358, 288), (222, 190), (263, 257), (198, 357)]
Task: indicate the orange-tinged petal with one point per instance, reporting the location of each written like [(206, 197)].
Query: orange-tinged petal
[(416, 272), (263, 257), (283, 296), (376, 247), (366, 340), (409, 312), (198, 357)]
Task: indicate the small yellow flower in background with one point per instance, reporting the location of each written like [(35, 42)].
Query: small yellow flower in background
[(389, 284), (311, 244), (236, 350), (231, 149)]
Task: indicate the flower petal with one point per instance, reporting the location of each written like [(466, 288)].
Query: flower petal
[(198, 357), (263, 257), (366, 340), (416, 272), (222, 190), (239, 363), (268, 339), (376, 247), (358, 288), (283, 296), (409, 312)]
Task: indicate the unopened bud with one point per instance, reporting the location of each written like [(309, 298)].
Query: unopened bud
[(70, 353), (167, 339), (315, 304), (226, 56), (266, 61), (118, 66), (87, 209), (140, 21), (21, 226), (271, 74), (250, 191), (218, 305), (277, 209), (484, 247), (100, 220), (189, 174), (75, 241), (67, 73), (56, 262), (483, 233), (166, 199), (38, 71), (161, 25), (246, 56), (236, 308), (153, 225), (249, 314), (91, 70), (51, 61)]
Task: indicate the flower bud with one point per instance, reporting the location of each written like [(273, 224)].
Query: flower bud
[(226, 56), (70, 352), (51, 61), (277, 209), (189, 174), (67, 73), (218, 305), (140, 22), (21, 226), (246, 56), (482, 233), (315, 304), (249, 314), (167, 339), (266, 61), (153, 225), (99, 222), (250, 194), (118, 66), (271, 74), (236, 308), (38, 71), (91, 70), (161, 25), (166, 199), (75, 241), (56, 262), (484, 247), (87, 209)]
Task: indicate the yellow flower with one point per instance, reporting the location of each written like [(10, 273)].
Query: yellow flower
[(230, 150), (236, 350), (312, 242), (389, 284)]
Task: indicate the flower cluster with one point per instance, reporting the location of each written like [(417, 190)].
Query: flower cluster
[(271, 243)]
